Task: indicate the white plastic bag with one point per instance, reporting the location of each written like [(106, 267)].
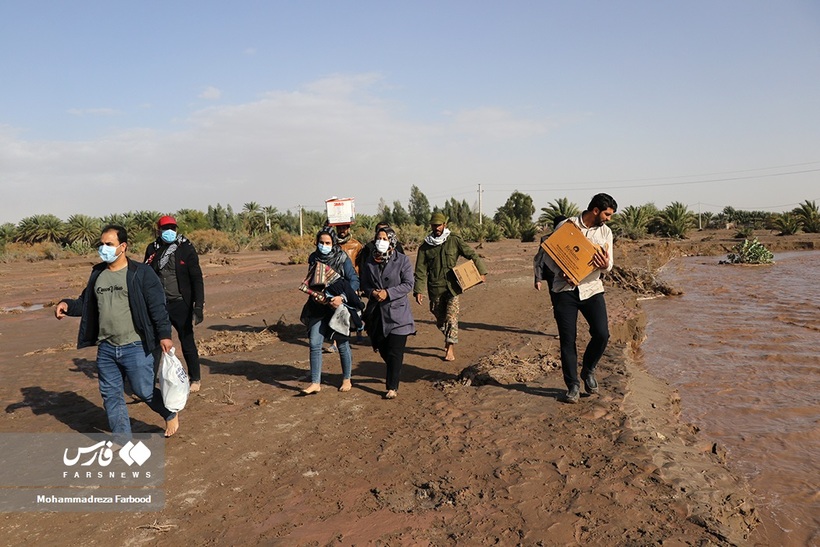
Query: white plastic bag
[(340, 321), (173, 382)]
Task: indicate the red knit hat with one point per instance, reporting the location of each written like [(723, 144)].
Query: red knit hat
[(167, 221)]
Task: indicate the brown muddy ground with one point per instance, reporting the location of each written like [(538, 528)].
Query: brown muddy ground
[(490, 456)]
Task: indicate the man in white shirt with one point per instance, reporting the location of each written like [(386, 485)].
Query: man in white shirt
[(587, 297)]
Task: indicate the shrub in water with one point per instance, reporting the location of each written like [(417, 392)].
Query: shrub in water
[(751, 251)]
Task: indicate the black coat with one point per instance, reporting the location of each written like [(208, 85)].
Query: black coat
[(146, 298), (189, 273)]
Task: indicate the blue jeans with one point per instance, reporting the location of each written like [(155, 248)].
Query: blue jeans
[(565, 307), (114, 364), (316, 341)]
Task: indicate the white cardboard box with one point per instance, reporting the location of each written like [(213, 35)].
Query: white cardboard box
[(340, 211)]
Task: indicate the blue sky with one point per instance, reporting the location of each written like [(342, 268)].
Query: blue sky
[(122, 106)]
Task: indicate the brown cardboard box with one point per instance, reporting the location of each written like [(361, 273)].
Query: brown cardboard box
[(466, 275), (573, 252)]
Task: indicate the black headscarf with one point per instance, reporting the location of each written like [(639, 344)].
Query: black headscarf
[(335, 258)]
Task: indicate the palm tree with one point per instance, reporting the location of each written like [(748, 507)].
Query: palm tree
[(126, 220), (809, 216), (787, 223), (253, 219), (146, 221), (82, 228), (633, 222), (676, 219), (7, 232), (37, 228), (560, 207), (271, 215)]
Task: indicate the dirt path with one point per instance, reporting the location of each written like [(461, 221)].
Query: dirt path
[(447, 462)]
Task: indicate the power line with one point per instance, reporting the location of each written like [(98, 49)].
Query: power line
[(581, 186)]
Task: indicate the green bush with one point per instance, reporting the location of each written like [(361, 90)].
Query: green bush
[(299, 249), (275, 240), (788, 224), (750, 251), (411, 235), (528, 233), (745, 233), (488, 231), (80, 247), (206, 241)]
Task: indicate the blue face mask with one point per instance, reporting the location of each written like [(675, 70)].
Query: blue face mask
[(107, 253), (324, 249), (168, 236)]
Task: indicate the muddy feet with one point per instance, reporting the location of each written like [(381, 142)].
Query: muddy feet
[(172, 426), (311, 389)]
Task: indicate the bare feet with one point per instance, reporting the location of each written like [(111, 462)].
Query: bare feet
[(449, 352), (346, 385), (311, 389), (392, 394), (172, 426), (196, 386)]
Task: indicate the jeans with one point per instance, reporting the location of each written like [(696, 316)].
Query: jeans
[(114, 364), (316, 341), (565, 307), (182, 318)]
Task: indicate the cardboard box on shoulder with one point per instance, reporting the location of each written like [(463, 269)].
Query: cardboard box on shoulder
[(573, 252), (466, 275), (340, 211)]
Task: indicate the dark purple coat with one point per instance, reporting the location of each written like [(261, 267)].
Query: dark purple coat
[(397, 278)]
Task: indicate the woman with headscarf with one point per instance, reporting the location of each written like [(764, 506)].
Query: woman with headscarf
[(387, 279), (320, 308)]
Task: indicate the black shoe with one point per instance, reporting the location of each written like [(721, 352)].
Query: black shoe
[(572, 395), (590, 384)]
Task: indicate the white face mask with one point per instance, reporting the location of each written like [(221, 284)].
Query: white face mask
[(382, 245)]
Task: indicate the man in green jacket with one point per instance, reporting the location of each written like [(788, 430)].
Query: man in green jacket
[(436, 258)]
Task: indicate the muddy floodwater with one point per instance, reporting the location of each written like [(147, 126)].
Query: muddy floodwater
[(741, 346)]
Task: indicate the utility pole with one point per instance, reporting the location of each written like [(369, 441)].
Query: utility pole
[(480, 214), (301, 233), (700, 224)]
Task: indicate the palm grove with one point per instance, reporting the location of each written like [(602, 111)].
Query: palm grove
[(258, 227)]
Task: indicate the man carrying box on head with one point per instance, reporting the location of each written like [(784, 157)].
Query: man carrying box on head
[(437, 256), (587, 297)]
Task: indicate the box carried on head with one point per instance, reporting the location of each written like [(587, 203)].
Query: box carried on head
[(340, 211)]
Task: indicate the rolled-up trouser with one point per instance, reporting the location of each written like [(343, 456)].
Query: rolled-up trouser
[(445, 309)]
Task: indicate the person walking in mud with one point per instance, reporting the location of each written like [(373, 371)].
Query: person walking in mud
[(370, 246), (387, 279), (349, 244), (587, 298), (122, 311), (437, 255), (320, 308), (175, 261)]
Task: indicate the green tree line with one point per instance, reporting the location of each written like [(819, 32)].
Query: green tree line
[(266, 228)]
